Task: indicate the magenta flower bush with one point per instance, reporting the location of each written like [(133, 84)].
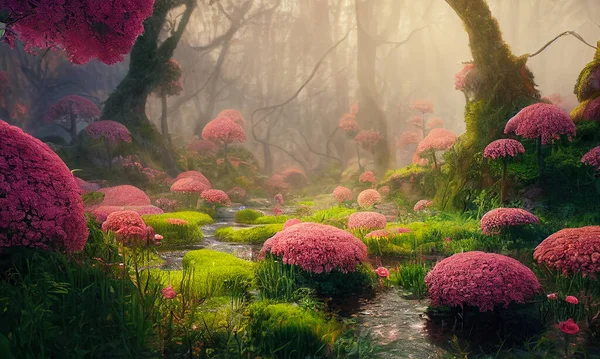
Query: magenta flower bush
[(541, 121), (70, 110), (497, 219), (366, 220), (317, 248), (224, 131), (592, 158), (85, 186), (166, 204), (216, 196), (294, 177), (194, 174), (129, 228), (110, 131), (189, 185), (482, 280), (422, 205), (341, 194), (120, 198), (40, 205), (368, 198), (571, 250), (504, 149)]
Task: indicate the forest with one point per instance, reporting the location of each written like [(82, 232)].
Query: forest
[(300, 179)]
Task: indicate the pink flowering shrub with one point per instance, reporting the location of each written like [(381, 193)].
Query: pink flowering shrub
[(203, 147), (503, 148), (166, 204), (194, 174), (592, 158), (423, 106), (354, 109), (189, 185), (482, 280), (439, 139), (495, 220), (368, 139), (571, 250), (276, 183), (348, 124), (291, 222), (384, 191), (232, 115), (83, 29), (124, 195), (40, 205), (70, 110), (224, 131), (422, 205), (237, 194), (85, 186), (102, 212), (541, 120), (341, 194), (215, 196), (368, 198), (461, 78), (177, 221), (294, 177), (168, 292), (317, 248), (129, 228), (408, 138), (366, 220), (367, 177), (386, 233), (279, 198), (110, 131)]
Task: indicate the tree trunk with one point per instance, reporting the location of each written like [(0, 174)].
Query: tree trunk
[(73, 128), (164, 124), (503, 188)]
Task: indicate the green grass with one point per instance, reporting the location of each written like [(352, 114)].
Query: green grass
[(248, 235), (199, 218), (247, 216), (178, 235), (271, 220), (334, 216), (411, 277)]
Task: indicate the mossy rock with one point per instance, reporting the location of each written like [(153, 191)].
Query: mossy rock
[(247, 216), (248, 235), (175, 235), (271, 220)]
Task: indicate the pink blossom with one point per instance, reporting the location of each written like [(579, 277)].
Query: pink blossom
[(493, 221), (124, 195), (434, 122), (203, 147), (368, 139), (40, 205), (232, 115), (317, 248), (177, 221), (110, 131), (341, 194), (189, 185), (423, 106), (592, 158), (503, 148), (276, 183), (215, 196), (408, 138), (291, 222), (368, 177), (225, 131), (277, 211), (72, 106), (482, 280), (541, 120), (384, 190), (571, 299), (439, 139), (348, 124), (368, 198), (366, 220), (382, 272), (129, 227), (461, 78), (552, 296), (195, 174), (169, 292), (237, 193), (279, 198), (294, 177), (568, 327), (422, 205), (101, 212)]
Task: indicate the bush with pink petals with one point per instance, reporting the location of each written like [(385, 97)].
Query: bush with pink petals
[(366, 221), (294, 177), (482, 280), (496, 220), (129, 228), (216, 197), (291, 222), (342, 194), (368, 198), (121, 198), (367, 177), (237, 194), (422, 205)]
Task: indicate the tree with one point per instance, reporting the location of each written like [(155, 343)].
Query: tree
[(71, 110), (169, 85)]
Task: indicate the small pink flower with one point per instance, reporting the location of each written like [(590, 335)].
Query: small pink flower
[(572, 300), (552, 296), (568, 327), (158, 237), (382, 272), (169, 292)]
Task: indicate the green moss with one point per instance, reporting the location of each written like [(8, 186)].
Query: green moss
[(174, 235), (271, 220), (332, 213), (248, 235), (247, 216), (92, 198), (198, 218), (394, 176)]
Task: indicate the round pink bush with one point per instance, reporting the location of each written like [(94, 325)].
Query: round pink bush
[(110, 131), (482, 280), (497, 219), (341, 194), (124, 195), (408, 138), (232, 115), (85, 186), (592, 158), (348, 124), (294, 177), (102, 212), (203, 147), (423, 106), (129, 227), (72, 106), (503, 148), (366, 220), (40, 205), (541, 120), (317, 248), (386, 233), (276, 183), (368, 139), (439, 139), (291, 222), (367, 177), (237, 193), (571, 250), (225, 131), (215, 196), (422, 204), (368, 198), (194, 174), (384, 190), (189, 185)]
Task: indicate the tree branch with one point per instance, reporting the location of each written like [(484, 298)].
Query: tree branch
[(572, 33)]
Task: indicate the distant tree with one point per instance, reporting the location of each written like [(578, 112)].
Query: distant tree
[(169, 84), (71, 110)]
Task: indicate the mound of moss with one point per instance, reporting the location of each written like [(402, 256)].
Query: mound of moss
[(334, 216), (248, 235), (176, 235), (198, 218), (271, 220), (247, 216)]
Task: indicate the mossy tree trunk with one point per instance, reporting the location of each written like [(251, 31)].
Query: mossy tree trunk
[(127, 104)]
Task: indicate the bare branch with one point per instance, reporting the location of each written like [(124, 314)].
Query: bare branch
[(572, 33)]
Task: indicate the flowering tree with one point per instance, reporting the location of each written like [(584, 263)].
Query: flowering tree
[(129, 228), (203, 147), (422, 205), (368, 139), (84, 29), (438, 139), (342, 194), (504, 149), (494, 221), (367, 177), (223, 131), (349, 125), (189, 186), (71, 110), (276, 183), (232, 115), (481, 280), (110, 133), (216, 197), (424, 107), (294, 177), (368, 198), (168, 84), (195, 174), (40, 205), (366, 221), (317, 248)]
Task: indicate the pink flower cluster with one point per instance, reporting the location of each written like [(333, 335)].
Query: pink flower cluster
[(366, 220), (434, 122), (592, 158), (495, 220), (423, 106), (129, 228), (384, 190), (40, 205), (368, 198), (223, 130), (177, 221), (189, 185), (382, 272), (317, 248), (541, 120), (294, 177), (460, 79), (368, 177), (571, 250), (122, 198), (387, 233), (368, 139), (72, 105), (354, 109), (166, 204), (422, 204), (232, 115), (341, 194), (276, 183), (279, 198), (110, 131), (203, 147), (215, 196), (482, 280), (439, 139), (194, 174), (237, 193), (84, 29), (291, 222), (168, 292), (503, 148), (102, 212), (85, 186), (408, 138), (348, 124), (568, 327)]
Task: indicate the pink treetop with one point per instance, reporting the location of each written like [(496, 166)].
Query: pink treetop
[(232, 115), (368, 139), (541, 120), (434, 122), (317, 248), (422, 204), (237, 193), (354, 109), (276, 183), (460, 79), (189, 185), (223, 131), (129, 227), (102, 212), (495, 220), (348, 124), (592, 158), (482, 280), (84, 29), (341, 194), (40, 205), (291, 222), (72, 105), (503, 148), (169, 81), (423, 106), (439, 139), (195, 174), (366, 220), (110, 131), (367, 176), (216, 196), (407, 138), (571, 250), (294, 177), (203, 147), (416, 121), (368, 198)]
